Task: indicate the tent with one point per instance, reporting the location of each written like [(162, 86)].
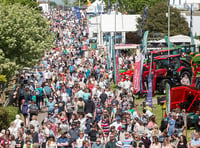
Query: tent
[(96, 7), (178, 39)]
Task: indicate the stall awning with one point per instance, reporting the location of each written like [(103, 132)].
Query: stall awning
[(126, 46)]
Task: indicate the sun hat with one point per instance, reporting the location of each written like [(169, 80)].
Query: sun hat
[(89, 115), (119, 144)]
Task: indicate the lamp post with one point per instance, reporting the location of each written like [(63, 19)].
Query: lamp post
[(168, 26)]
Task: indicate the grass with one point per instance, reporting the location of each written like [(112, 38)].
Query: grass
[(160, 113)]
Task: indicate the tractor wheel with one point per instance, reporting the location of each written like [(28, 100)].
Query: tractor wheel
[(185, 73), (163, 85)]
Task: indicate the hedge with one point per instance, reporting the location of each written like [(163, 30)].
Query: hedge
[(7, 115)]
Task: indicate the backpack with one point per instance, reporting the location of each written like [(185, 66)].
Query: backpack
[(25, 109), (37, 92), (33, 109), (145, 119)]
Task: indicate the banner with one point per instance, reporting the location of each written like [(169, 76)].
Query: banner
[(144, 42), (136, 74), (191, 25), (144, 17), (143, 53), (149, 93), (117, 67), (78, 13), (114, 61), (168, 97)]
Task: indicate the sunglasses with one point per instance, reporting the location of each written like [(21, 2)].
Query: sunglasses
[(136, 137)]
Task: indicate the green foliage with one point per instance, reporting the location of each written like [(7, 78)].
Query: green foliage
[(66, 2), (157, 21), (7, 115), (53, 4), (12, 112), (133, 6), (29, 3), (113, 86), (7, 67), (3, 78), (24, 36)]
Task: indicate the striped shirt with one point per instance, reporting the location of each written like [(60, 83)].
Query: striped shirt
[(127, 142), (105, 126)]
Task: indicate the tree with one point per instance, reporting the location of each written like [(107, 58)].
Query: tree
[(7, 68), (66, 2), (53, 4), (133, 6), (157, 21), (24, 36), (29, 3)]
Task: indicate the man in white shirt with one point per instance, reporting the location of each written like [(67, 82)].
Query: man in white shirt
[(117, 123)]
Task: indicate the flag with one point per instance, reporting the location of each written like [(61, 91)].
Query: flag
[(77, 11), (149, 93), (187, 7), (99, 8), (164, 105), (117, 67), (136, 74), (165, 114), (167, 41), (144, 42), (191, 25), (168, 97), (143, 53)]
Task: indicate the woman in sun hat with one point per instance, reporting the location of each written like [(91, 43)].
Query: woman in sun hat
[(119, 144)]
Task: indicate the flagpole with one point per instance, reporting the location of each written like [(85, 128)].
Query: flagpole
[(191, 25), (114, 61), (168, 26)]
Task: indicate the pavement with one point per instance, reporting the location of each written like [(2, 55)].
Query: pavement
[(42, 114)]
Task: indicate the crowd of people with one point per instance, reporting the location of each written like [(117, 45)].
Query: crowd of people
[(73, 88)]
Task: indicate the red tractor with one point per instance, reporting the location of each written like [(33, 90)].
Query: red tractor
[(188, 97), (167, 69)]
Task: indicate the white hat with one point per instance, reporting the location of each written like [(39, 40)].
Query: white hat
[(89, 115), (119, 144)]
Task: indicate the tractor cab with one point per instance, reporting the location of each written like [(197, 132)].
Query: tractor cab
[(170, 69), (169, 62)]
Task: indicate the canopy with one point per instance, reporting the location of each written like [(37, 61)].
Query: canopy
[(126, 46), (96, 7), (178, 39)]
